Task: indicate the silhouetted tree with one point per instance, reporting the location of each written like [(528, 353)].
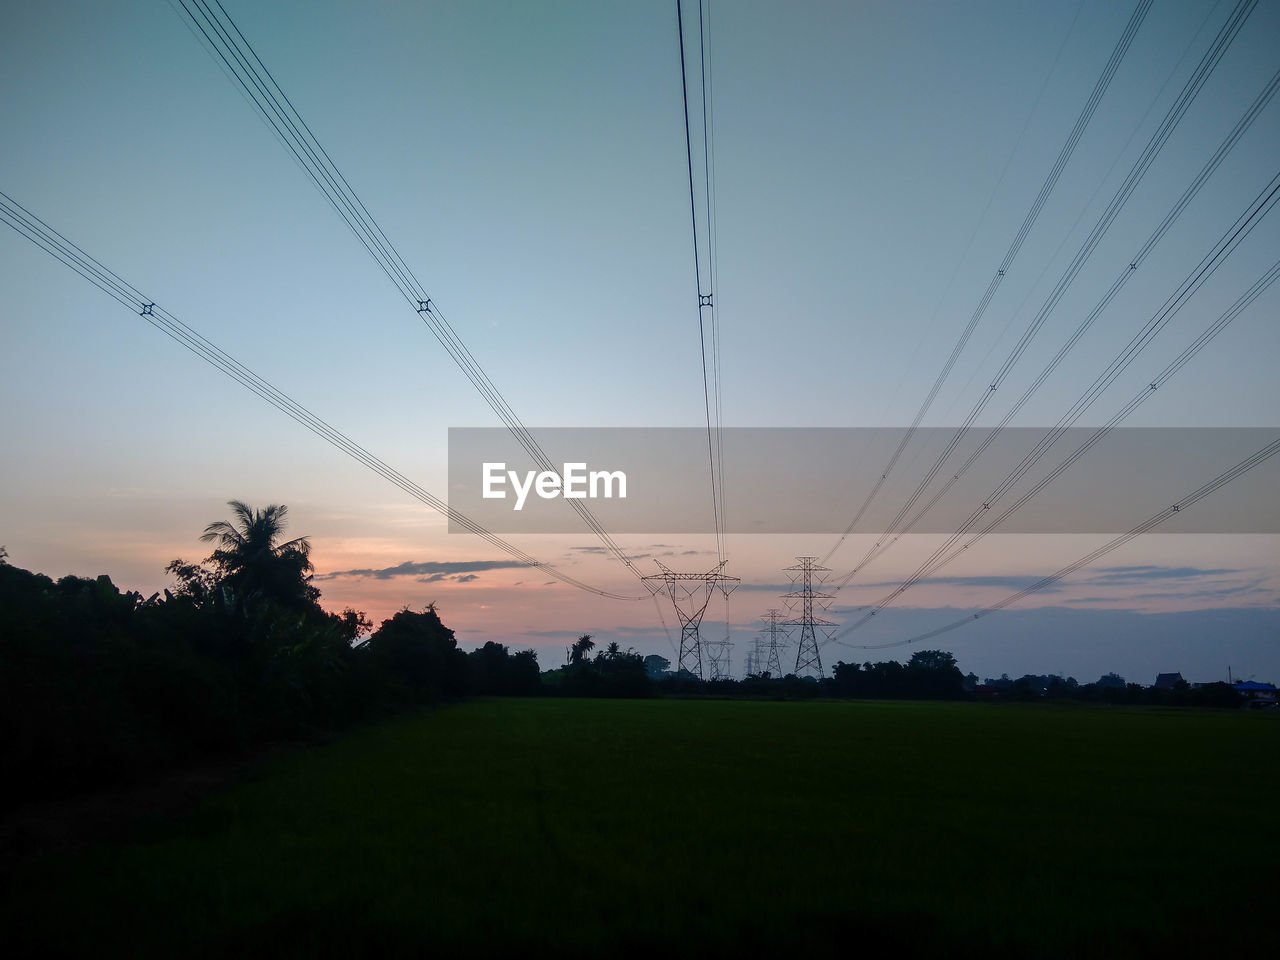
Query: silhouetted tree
[(655, 666), (497, 671), (419, 656), (581, 647), (250, 561), (932, 660), (353, 624)]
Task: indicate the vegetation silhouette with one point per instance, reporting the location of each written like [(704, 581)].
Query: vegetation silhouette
[(249, 560), (100, 686)]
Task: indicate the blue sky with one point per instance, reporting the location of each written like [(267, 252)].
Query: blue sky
[(872, 164)]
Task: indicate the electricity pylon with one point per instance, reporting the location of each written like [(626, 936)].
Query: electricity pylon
[(718, 656), (690, 593), (754, 660), (802, 575), (777, 640)]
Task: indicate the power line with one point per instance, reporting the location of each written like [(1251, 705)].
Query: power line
[(1139, 169), (224, 39), (1241, 468), (706, 294), (1068, 147), (1126, 273), (1241, 229), (28, 225), (926, 333), (1085, 207), (708, 161)]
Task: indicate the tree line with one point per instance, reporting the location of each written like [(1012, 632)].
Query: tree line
[(100, 686)]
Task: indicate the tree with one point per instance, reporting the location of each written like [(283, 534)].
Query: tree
[(418, 654), (932, 660), (195, 583), (581, 647), (656, 667), (353, 625), (250, 561)]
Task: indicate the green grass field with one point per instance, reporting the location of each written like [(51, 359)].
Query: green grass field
[(705, 826)]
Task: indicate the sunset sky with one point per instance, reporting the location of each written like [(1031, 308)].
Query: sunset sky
[(873, 162)]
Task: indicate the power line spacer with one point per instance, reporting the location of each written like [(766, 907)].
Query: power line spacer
[(148, 310)]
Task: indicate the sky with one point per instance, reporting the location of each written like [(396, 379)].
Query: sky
[(872, 164)]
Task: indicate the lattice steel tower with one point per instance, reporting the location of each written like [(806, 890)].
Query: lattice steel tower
[(802, 575), (777, 640), (690, 593), (753, 662), (719, 654)]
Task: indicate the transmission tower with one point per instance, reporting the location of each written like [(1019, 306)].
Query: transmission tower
[(773, 624), (690, 593), (754, 660), (802, 576), (720, 652), (719, 658)]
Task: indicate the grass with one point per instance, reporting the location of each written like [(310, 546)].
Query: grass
[(708, 827)]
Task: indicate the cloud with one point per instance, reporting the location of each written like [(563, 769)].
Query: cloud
[(428, 571), (1002, 582), (1146, 573), (1208, 592), (646, 552), (448, 577)]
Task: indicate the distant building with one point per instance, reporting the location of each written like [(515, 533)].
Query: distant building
[(1256, 691), (1168, 681)]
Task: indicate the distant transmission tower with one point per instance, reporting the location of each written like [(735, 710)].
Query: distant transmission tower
[(773, 623), (802, 576), (754, 660), (721, 652), (719, 658), (690, 593)]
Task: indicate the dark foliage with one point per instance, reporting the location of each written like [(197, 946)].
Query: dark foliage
[(419, 657), (100, 687), (613, 672), (495, 671), (928, 675)]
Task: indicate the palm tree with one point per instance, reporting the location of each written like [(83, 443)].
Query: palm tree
[(249, 560), (580, 648)]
